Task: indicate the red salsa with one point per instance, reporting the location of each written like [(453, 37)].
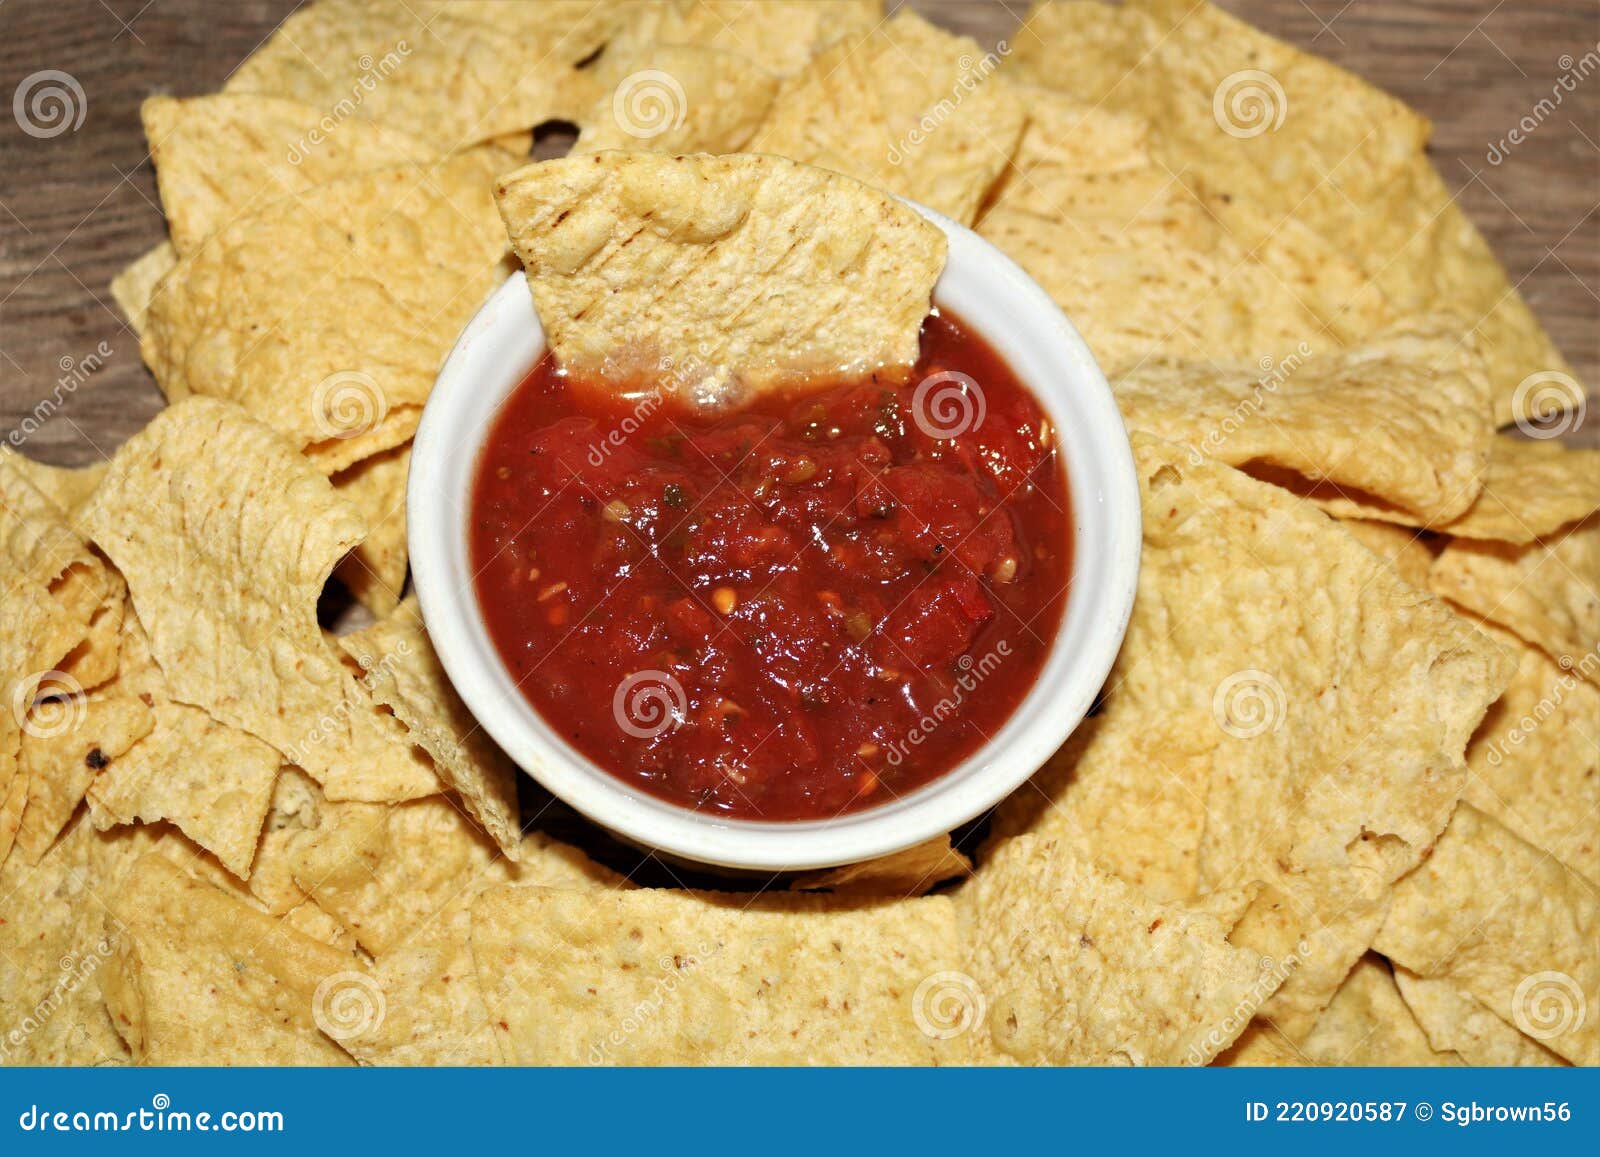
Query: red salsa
[(812, 604)]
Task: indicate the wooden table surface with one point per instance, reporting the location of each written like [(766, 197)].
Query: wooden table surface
[(75, 208)]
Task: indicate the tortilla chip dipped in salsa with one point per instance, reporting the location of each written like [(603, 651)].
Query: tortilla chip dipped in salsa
[(751, 609), (744, 266)]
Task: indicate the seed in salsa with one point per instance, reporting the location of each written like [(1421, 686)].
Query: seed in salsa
[(813, 604)]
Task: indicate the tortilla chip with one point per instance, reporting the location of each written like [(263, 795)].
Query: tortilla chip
[(297, 807), (225, 567), (309, 920), (383, 870), (449, 80), (404, 674), (13, 800), (642, 977), (136, 286), (436, 1014), (678, 99), (1135, 258), (578, 26), (1548, 591), (781, 35), (137, 673), (54, 499), (67, 487), (1510, 925), (379, 869), (45, 557), (1336, 914), (1403, 418), (912, 872), (1531, 490), (1076, 160), (1398, 546), (542, 859), (907, 107), (327, 315), (209, 799), (375, 571), (1100, 42), (1250, 767), (1320, 272), (1227, 906), (214, 782), (215, 799), (95, 661), (751, 267), (1133, 301), (1366, 1023), (1459, 1023), (202, 865), (1084, 161), (1439, 261), (198, 977), (1276, 134), (436, 1011), (227, 155), (1164, 61), (51, 585), (1119, 792), (1535, 760), (1262, 1046), (66, 744), (54, 945), (1079, 968)]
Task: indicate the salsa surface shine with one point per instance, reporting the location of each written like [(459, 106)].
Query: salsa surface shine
[(810, 605)]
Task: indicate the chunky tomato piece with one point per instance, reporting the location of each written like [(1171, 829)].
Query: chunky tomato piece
[(775, 613), (938, 621)]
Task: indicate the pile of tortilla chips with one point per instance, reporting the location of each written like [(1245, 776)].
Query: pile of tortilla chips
[(1340, 805)]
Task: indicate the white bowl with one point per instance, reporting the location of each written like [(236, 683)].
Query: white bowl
[(993, 296)]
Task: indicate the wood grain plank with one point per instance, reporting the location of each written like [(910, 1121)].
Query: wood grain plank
[(76, 207)]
